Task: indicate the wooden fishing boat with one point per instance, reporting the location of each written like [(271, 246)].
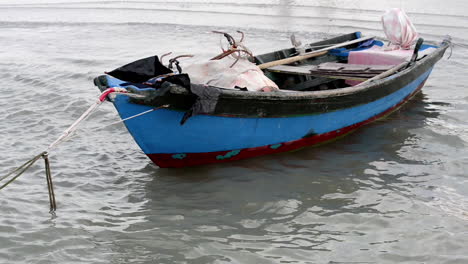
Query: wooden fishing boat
[(317, 102)]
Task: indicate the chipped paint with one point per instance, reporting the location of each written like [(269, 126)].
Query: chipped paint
[(228, 155), (275, 146), (179, 156)]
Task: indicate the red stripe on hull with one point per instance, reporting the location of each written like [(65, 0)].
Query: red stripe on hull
[(178, 160)]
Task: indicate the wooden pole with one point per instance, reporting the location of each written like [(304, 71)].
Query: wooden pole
[(386, 73), (311, 54)]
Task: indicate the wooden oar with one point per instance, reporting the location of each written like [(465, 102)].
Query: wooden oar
[(311, 54), (386, 73)]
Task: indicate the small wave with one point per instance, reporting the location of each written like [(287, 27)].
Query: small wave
[(331, 21), (329, 5), (451, 202)]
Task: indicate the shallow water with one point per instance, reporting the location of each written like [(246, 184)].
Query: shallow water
[(393, 192)]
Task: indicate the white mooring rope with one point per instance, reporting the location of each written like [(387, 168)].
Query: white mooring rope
[(67, 134)]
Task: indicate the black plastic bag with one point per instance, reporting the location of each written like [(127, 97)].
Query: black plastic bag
[(140, 71)]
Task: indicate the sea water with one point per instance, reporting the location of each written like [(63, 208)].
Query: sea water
[(393, 192)]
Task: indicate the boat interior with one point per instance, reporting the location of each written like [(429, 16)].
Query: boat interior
[(340, 67), (340, 62)]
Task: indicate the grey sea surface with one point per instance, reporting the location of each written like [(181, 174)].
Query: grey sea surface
[(394, 191)]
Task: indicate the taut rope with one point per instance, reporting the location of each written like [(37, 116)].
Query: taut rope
[(13, 175)]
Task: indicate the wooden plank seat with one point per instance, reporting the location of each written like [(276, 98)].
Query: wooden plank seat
[(334, 70)]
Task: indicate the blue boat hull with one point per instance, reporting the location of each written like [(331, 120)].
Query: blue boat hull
[(209, 139)]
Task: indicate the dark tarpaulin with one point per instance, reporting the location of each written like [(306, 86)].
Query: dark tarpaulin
[(178, 79), (207, 99), (140, 71)]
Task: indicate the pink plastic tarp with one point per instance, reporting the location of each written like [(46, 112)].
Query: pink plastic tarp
[(402, 35), (379, 56)]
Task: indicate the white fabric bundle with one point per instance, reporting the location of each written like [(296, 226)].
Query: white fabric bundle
[(399, 30), (219, 73)]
